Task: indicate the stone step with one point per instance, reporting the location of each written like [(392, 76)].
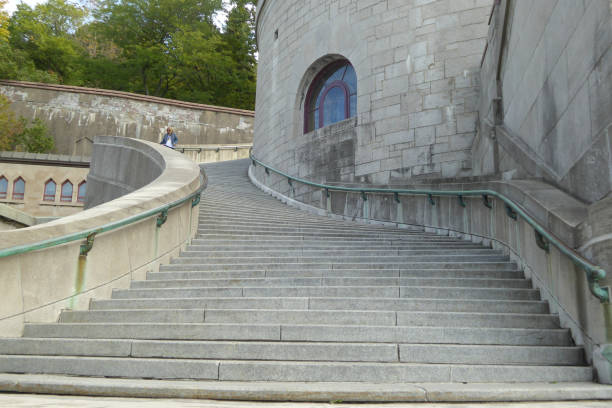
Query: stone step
[(303, 333), (282, 253), (503, 266), (328, 273), (275, 223), (317, 246), (328, 242), (333, 291), (314, 303), (323, 236), (317, 317), (241, 370), (296, 351), (334, 281), (195, 259)]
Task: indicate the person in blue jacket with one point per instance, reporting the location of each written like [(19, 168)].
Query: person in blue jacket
[(170, 139)]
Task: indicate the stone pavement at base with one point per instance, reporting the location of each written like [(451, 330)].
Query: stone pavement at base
[(52, 401)]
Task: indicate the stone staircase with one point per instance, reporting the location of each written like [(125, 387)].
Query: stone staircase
[(266, 292)]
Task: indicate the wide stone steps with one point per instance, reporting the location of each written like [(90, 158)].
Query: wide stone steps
[(194, 266), (296, 351), (333, 291), (190, 252), (303, 333), (329, 303), (348, 281), (325, 273), (268, 293), (310, 371), (314, 317)]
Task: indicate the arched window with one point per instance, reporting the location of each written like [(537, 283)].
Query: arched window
[(3, 187), (332, 96), (66, 195), (82, 190), (18, 189), (50, 187)]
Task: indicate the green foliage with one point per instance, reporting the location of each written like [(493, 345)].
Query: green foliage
[(168, 48), (18, 134), (33, 138)]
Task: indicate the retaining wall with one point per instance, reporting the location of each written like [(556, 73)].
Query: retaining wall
[(75, 115), (38, 285)]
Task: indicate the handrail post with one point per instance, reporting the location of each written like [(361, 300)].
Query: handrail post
[(486, 202), (461, 202)]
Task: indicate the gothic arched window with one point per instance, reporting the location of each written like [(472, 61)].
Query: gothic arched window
[(18, 189), (332, 96), (81, 192), (3, 187), (66, 195), (50, 187)]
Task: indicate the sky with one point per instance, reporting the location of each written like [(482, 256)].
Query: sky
[(11, 6)]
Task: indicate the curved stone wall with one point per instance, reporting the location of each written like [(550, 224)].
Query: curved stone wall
[(417, 70), (38, 285), (75, 115)]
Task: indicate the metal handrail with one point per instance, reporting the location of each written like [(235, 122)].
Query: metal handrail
[(89, 234), (544, 238)]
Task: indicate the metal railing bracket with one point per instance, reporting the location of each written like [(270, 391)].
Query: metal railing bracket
[(87, 245), (162, 217)]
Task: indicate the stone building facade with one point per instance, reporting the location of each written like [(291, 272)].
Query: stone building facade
[(547, 87), (417, 64)]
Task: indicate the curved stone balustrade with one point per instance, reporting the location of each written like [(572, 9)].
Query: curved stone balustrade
[(38, 285)]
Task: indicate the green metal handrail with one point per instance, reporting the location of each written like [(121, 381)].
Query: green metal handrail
[(89, 234), (543, 237)]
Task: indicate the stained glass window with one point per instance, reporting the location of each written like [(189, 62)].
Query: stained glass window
[(332, 96)]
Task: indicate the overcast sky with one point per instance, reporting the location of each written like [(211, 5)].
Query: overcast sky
[(12, 4)]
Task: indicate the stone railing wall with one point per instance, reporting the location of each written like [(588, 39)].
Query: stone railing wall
[(37, 285), (560, 282), (75, 115)]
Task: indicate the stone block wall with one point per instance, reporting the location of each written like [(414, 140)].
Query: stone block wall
[(76, 115), (549, 63), (417, 64)]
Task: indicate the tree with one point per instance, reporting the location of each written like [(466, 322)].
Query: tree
[(4, 21), (47, 35), (147, 31), (18, 134)]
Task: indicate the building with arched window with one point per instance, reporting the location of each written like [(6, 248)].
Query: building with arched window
[(368, 92), (66, 192), (3, 187), (28, 183)]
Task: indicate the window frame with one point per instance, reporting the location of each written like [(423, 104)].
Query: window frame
[(16, 195), (65, 198), (47, 197), (81, 198), (328, 71), (4, 194), (347, 94)]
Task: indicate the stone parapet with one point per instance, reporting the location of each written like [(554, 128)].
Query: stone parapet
[(38, 285)]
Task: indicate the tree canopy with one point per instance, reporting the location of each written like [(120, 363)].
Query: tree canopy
[(166, 48)]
